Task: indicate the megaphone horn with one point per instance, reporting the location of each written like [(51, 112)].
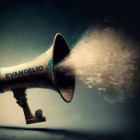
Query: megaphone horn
[(40, 73)]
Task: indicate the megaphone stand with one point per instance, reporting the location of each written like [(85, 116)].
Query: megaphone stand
[(20, 95)]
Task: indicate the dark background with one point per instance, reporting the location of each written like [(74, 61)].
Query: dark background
[(27, 29)]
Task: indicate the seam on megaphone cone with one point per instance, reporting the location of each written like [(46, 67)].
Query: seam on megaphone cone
[(1, 91)]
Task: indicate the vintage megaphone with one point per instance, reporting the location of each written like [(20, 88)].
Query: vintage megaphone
[(40, 73)]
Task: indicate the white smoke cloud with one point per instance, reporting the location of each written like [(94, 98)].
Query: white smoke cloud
[(104, 60)]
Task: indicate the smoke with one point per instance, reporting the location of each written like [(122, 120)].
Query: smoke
[(103, 58)]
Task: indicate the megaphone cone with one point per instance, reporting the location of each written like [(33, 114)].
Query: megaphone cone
[(40, 73)]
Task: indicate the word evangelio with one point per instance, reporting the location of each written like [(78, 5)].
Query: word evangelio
[(25, 71)]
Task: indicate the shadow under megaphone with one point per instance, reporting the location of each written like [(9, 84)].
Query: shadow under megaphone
[(71, 134)]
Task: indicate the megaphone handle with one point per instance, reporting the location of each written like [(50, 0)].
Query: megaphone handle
[(20, 95)]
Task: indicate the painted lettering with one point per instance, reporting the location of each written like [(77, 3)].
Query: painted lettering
[(40, 68), (33, 70), (26, 71), (37, 68), (16, 73), (12, 74), (7, 75), (30, 70), (22, 72)]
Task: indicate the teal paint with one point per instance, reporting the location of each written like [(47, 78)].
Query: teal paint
[(49, 68), (1, 91)]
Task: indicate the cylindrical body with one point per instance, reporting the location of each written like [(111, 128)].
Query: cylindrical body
[(37, 73)]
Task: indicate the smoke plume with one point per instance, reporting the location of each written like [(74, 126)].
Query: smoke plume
[(102, 58)]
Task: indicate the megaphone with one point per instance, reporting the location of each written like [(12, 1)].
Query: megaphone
[(40, 73)]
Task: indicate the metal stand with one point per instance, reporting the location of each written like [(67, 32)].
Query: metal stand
[(20, 95)]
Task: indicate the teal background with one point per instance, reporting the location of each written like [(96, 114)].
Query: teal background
[(1, 91), (27, 29)]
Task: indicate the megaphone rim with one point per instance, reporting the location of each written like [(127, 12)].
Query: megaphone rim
[(58, 34)]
